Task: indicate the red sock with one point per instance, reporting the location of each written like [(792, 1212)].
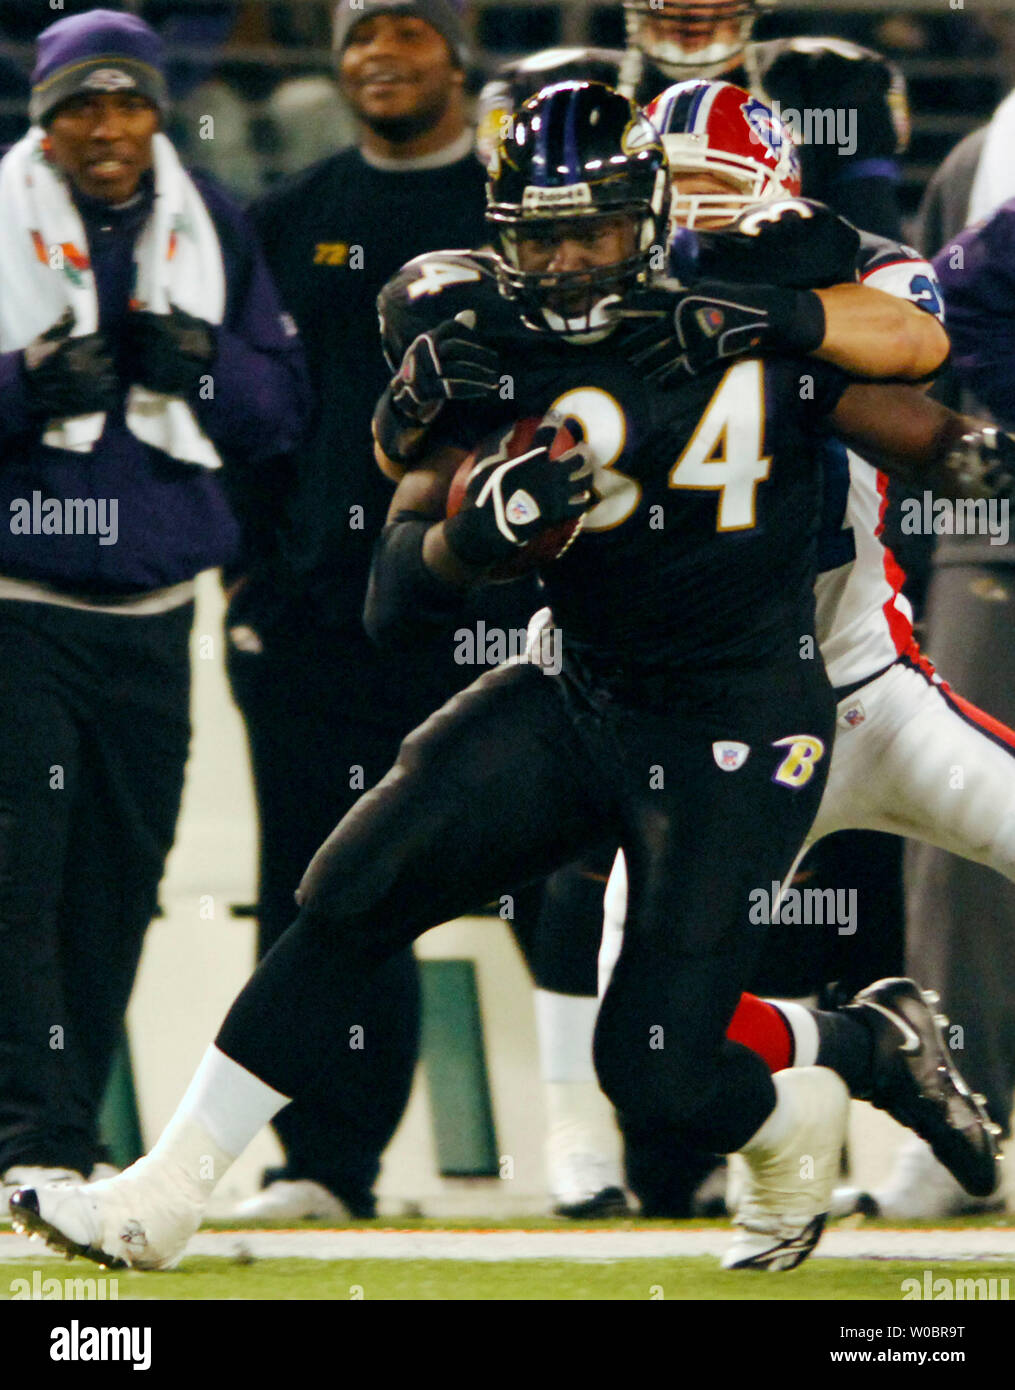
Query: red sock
[(761, 1027)]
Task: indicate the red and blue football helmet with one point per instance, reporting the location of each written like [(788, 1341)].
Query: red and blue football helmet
[(719, 128)]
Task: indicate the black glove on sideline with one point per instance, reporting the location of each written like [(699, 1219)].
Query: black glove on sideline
[(66, 376), (169, 352)]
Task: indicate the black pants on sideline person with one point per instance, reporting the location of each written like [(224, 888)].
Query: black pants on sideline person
[(94, 733)]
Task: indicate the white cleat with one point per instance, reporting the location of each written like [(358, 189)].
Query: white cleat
[(141, 1219), (919, 1188), (283, 1200), (26, 1175), (788, 1170)]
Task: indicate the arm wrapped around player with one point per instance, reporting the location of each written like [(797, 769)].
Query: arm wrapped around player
[(510, 501), (797, 243), (447, 363), (716, 322)]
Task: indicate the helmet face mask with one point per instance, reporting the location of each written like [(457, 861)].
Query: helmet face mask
[(687, 38), (745, 187), (577, 197)]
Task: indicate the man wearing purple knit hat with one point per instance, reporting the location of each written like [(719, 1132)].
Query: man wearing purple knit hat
[(145, 369)]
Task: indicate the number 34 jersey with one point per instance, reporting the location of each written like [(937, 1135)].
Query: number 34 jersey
[(700, 552)]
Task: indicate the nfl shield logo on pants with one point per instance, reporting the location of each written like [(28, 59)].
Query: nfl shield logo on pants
[(729, 755)]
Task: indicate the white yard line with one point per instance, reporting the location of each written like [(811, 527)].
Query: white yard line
[(973, 1244)]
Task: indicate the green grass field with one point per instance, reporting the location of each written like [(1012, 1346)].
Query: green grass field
[(646, 1280), (242, 1277)]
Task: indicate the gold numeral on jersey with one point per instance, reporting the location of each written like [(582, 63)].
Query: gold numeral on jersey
[(435, 276), (725, 452), (797, 767), (605, 426)]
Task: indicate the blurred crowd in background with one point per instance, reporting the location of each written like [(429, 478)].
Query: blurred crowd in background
[(262, 69)]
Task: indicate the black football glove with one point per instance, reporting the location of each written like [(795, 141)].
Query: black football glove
[(67, 376), (508, 502), (795, 242), (451, 362), (687, 332), (170, 352)]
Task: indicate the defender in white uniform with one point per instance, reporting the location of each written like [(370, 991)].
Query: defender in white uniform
[(911, 757)]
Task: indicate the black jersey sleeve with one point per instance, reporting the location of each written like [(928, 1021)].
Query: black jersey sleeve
[(432, 289), (428, 291)]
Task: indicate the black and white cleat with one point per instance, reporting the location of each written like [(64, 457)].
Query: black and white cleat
[(916, 1081), (600, 1206), (27, 1220)]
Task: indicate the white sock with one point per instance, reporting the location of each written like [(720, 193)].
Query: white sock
[(565, 1024), (581, 1121), (223, 1108), (803, 1025), (775, 1130)]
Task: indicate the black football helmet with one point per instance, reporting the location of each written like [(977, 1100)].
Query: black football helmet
[(691, 38), (575, 152)]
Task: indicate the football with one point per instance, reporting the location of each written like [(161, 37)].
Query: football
[(509, 441)]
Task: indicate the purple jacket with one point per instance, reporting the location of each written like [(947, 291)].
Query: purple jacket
[(977, 272), (173, 519)]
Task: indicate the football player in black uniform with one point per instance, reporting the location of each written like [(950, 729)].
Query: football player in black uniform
[(683, 721), (845, 105)]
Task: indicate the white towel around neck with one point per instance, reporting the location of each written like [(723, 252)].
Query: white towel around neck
[(45, 269)]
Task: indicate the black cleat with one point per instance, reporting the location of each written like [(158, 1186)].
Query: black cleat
[(915, 1080), (609, 1202)]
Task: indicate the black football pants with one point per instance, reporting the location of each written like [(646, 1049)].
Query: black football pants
[(515, 777), (94, 732)]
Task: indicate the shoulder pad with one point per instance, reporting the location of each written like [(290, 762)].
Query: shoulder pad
[(840, 49), (431, 289), (900, 270), (842, 74), (562, 65), (878, 251)]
